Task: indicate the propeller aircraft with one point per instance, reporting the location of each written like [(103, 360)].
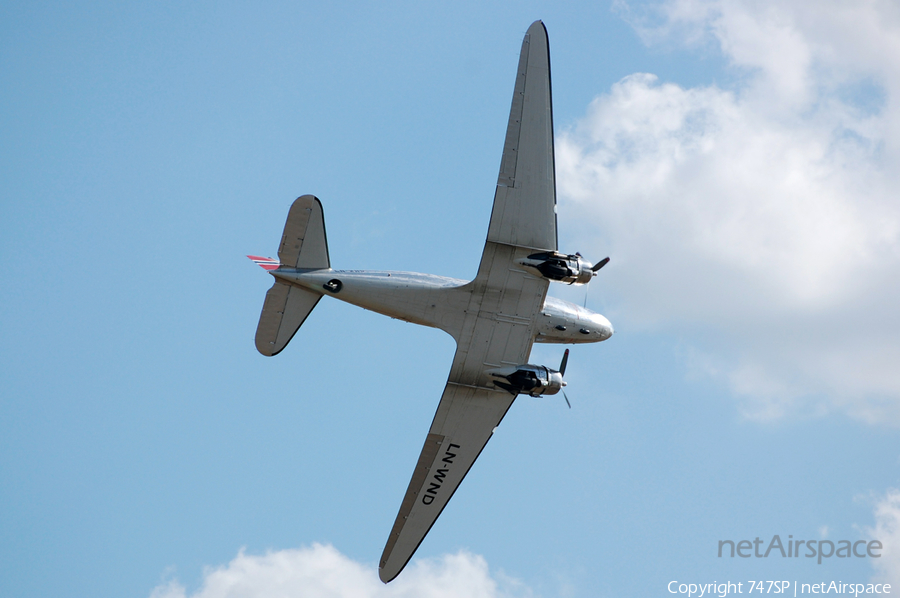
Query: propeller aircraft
[(495, 318)]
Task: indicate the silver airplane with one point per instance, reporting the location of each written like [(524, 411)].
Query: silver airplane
[(495, 319)]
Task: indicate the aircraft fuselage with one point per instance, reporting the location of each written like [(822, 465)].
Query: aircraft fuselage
[(441, 302)]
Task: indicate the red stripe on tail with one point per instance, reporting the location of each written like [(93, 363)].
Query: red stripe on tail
[(266, 263)]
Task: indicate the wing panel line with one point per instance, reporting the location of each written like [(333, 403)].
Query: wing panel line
[(433, 442)]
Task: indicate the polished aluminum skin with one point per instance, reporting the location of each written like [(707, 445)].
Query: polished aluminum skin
[(495, 318)]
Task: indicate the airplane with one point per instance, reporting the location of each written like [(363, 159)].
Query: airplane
[(495, 318)]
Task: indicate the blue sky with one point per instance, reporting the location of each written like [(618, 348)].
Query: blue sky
[(734, 159)]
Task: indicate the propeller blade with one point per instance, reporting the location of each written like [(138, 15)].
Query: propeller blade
[(567, 400), (600, 264), (562, 366)]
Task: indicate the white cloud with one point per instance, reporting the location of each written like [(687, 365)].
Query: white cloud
[(320, 571), (763, 219), (887, 531)]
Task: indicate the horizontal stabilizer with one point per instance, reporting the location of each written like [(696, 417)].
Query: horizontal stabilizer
[(284, 311)]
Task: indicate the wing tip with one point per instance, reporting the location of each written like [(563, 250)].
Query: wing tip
[(388, 574), (384, 577), (537, 26)]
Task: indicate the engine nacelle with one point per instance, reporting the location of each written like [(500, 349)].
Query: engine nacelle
[(534, 380), (571, 269)]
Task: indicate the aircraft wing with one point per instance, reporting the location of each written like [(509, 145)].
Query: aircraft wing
[(504, 302), (470, 408), (464, 423), (524, 211)]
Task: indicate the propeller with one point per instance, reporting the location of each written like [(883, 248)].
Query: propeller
[(595, 268), (600, 264), (562, 371)]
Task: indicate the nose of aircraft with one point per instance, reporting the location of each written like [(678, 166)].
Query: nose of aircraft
[(604, 325)]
